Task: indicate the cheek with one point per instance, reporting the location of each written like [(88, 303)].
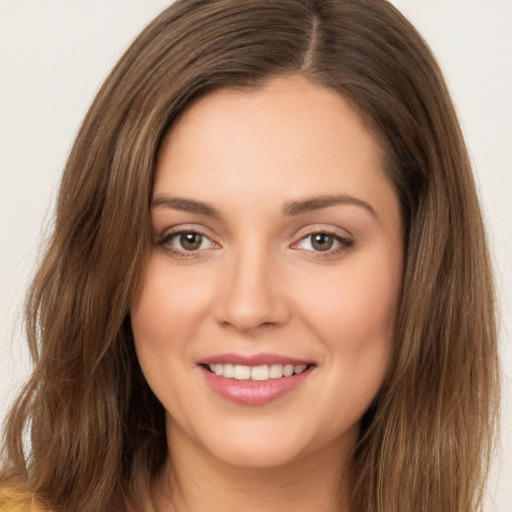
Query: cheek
[(167, 307), (369, 306), (165, 315), (356, 321), (356, 304), (355, 317)]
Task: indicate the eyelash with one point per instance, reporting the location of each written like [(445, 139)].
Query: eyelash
[(345, 244), (165, 241)]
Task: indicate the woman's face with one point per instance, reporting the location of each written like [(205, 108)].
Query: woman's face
[(278, 250)]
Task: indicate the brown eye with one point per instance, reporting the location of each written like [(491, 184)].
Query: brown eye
[(322, 241), (187, 243), (190, 241)]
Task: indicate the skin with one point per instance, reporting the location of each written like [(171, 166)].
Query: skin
[(256, 284)]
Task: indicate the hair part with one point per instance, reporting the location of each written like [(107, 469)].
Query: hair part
[(96, 431)]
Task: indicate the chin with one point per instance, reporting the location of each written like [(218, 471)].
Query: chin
[(264, 444), (265, 454)]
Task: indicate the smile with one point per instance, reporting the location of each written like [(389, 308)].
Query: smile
[(256, 373), (256, 379)]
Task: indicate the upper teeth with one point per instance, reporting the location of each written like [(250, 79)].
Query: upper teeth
[(263, 372)]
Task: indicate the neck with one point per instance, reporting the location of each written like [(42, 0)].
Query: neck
[(196, 481)]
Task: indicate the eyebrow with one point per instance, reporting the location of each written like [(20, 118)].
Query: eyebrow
[(291, 208), (319, 202), (185, 205)]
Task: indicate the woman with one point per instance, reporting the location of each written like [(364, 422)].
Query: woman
[(268, 285)]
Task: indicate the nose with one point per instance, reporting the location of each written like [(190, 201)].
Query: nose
[(252, 294)]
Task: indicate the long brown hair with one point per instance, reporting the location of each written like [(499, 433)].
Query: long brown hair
[(87, 434)]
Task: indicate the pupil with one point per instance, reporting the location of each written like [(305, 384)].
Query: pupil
[(191, 241), (322, 242)]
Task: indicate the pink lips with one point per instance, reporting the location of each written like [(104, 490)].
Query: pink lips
[(249, 392)]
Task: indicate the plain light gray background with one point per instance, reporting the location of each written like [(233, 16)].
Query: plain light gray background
[(54, 54)]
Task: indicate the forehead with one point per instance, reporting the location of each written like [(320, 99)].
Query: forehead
[(287, 139), (293, 95)]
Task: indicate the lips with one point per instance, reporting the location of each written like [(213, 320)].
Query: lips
[(255, 379)]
